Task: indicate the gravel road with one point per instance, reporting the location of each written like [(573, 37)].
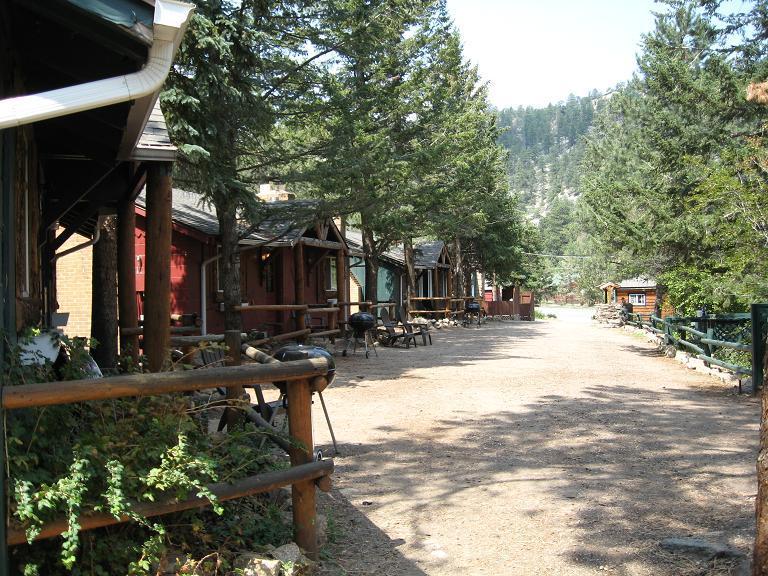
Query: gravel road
[(534, 448)]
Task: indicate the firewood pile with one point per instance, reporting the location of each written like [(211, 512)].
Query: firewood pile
[(608, 314)]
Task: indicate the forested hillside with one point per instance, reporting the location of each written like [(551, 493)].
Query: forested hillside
[(668, 174), (545, 148)]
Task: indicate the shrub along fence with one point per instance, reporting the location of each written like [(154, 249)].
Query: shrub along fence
[(735, 342), (301, 378)]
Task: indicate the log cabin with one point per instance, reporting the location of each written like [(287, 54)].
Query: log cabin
[(291, 241), (78, 83), (432, 264), (642, 293)]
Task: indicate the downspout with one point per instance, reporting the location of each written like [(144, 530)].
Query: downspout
[(203, 303), (169, 23), (203, 282), (91, 242)]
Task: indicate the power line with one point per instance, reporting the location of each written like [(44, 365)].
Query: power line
[(556, 255)]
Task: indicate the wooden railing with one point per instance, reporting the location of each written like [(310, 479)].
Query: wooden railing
[(705, 336), (302, 378)]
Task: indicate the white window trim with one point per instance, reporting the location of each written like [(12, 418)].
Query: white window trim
[(331, 284), (637, 298)]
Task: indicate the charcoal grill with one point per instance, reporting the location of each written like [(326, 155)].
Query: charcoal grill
[(302, 352), (471, 313), (362, 323)]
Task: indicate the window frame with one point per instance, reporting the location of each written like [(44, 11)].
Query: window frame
[(639, 298), (331, 280)]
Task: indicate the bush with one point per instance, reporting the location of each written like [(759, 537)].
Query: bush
[(67, 460)]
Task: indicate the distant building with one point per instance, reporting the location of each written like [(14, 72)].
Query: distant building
[(642, 293)]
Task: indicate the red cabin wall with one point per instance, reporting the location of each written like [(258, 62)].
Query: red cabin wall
[(190, 249), (187, 253)]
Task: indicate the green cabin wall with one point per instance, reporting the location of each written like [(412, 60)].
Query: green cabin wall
[(389, 280)]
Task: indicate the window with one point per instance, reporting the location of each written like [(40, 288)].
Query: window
[(638, 299), (330, 274)]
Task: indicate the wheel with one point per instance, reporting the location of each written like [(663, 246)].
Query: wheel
[(367, 354), (344, 352)]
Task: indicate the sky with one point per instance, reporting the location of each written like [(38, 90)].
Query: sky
[(536, 52)]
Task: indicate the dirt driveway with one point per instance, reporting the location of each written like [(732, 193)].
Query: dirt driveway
[(548, 448)]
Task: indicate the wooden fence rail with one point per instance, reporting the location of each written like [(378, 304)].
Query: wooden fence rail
[(680, 332), (302, 377)]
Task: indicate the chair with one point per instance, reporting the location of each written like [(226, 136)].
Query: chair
[(409, 326), (391, 336), (387, 321)]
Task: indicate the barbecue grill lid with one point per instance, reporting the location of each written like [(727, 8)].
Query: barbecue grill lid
[(301, 352)]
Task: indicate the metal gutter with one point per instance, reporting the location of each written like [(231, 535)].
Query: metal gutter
[(170, 21)]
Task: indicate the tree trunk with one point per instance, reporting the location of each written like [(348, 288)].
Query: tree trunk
[(229, 265), (458, 269), (468, 280), (410, 273), (371, 265), (104, 296), (157, 287), (760, 558), (126, 277)]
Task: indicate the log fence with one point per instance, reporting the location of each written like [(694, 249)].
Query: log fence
[(302, 377), (735, 342)]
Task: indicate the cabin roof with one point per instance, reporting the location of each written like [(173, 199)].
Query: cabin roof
[(426, 255), (638, 282), (393, 254), (284, 223), (154, 142)]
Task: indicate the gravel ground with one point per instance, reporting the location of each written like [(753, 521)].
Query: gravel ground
[(527, 448)]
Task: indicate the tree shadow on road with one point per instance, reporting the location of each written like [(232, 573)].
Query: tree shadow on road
[(449, 349), (344, 554), (644, 351), (620, 468)]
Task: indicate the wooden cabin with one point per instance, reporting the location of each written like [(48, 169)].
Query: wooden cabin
[(433, 273), (75, 98), (522, 302), (433, 278), (391, 280), (268, 261), (642, 293)]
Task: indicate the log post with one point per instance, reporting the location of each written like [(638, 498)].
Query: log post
[(157, 306), (302, 493), (126, 277), (516, 300), (298, 281), (341, 283), (104, 296), (232, 417), (760, 551)]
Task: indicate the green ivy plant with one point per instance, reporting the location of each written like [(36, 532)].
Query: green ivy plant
[(108, 456)]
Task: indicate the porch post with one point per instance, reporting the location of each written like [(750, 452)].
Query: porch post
[(298, 288), (516, 300), (126, 276), (341, 284), (157, 305)]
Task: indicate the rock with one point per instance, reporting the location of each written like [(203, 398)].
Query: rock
[(293, 561), (608, 313), (701, 547), (255, 565), (288, 553)]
